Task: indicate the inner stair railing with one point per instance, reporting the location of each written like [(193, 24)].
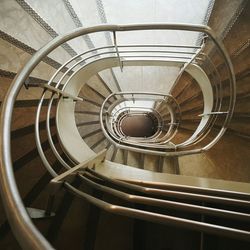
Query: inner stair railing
[(137, 102)]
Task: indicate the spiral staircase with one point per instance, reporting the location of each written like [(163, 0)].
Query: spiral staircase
[(94, 156)]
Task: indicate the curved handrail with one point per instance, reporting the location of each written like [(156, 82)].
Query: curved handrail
[(142, 96), (124, 113), (193, 141), (158, 217), (27, 235)]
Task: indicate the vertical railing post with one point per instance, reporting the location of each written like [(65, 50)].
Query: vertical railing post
[(185, 65), (117, 51)]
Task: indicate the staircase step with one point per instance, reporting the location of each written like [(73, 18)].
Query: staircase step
[(133, 159)]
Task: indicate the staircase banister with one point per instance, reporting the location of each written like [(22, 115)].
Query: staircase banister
[(27, 235)]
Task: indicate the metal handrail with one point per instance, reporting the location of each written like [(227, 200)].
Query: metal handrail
[(87, 178), (131, 110), (161, 218), (124, 114), (194, 141), (125, 111), (27, 235), (177, 205), (145, 143), (218, 102), (192, 189), (96, 55), (187, 64), (206, 128), (53, 148), (178, 194), (165, 98)]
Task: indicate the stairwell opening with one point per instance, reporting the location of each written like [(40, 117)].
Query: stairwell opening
[(139, 125)]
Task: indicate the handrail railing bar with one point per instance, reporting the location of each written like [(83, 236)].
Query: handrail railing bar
[(140, 148), (130, 99), (215, 113), (38, 141), (156, 51), (30, 238), (117, 50), (193, 189), (217, 80), (218, 104), (112, 46), (54, 91), (59, 92), (103, 53), (167, 138), (153, 144), (160, 218), (161, 45), (187, 144), (183, 206), (232, 90), (206, 130), (78, 69), (123, 99), (173, 193), (120, 132), (114, 116), (153, 138), (173, 114), (137, 109), (217, 74), (139, 92), (75, 57), (77, 63), (185, 66), (58, 156), (154, 152), (92, 161), (153, 56)]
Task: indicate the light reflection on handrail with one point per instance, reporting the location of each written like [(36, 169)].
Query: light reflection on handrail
[(161, 218)]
